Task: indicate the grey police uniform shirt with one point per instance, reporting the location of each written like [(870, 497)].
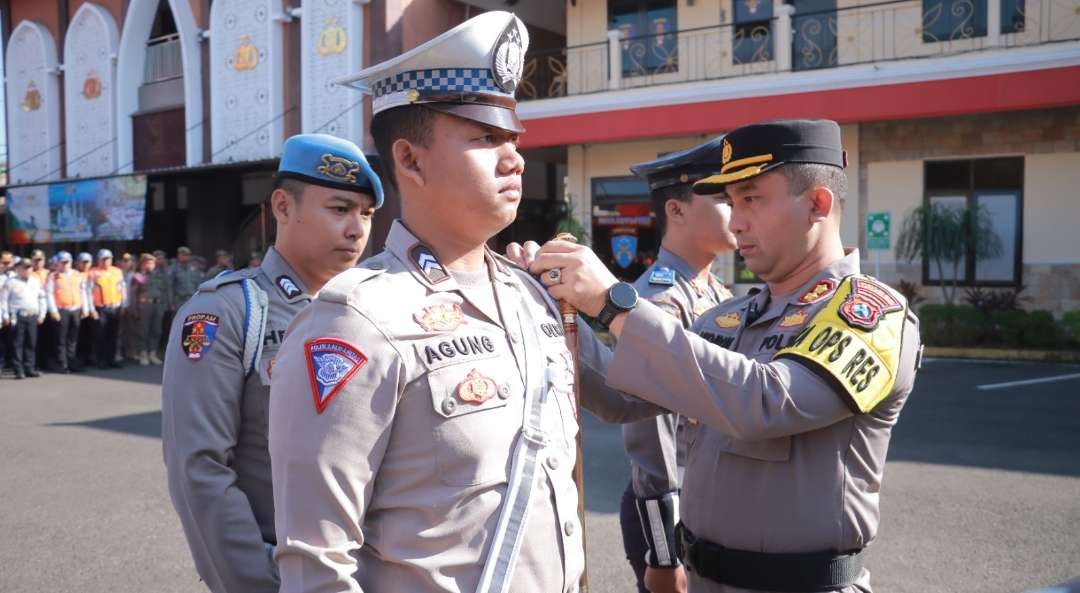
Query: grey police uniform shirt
[(657, 446), (185, 281), (397, 483), (780, 462), (214, 427)]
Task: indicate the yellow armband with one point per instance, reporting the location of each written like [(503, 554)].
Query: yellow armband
[(853, 342)]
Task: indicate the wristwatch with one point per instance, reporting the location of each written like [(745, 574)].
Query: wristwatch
[(621, 297)]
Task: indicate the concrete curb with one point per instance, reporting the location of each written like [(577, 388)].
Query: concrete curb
[(1003, 354)]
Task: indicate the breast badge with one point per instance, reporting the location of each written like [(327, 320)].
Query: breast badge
[(476, 388), (728, 320), (796, 319), (443, 317)]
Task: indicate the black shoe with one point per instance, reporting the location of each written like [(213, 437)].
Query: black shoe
[(115, 365), (73, 369), (33, 374), (19, 376)]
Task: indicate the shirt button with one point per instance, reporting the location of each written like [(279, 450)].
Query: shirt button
[(448, 406), (568, 528), (515, 337), (504, 391), (553, 462)]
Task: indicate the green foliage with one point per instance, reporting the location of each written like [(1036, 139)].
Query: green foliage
[(951, 325), (967, 326), (567, 223), (1071, 322), (944, 235)]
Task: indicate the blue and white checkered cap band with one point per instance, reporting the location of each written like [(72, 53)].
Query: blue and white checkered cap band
[(455, 80), (393, 92)]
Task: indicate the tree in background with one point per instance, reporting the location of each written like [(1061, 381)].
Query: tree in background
[(945, 236)]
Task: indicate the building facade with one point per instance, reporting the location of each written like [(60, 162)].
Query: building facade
[(195, 99), (949, 102)]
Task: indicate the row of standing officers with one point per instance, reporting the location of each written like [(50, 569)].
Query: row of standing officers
[(408, 423)]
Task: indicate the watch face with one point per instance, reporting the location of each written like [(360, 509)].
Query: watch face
[(623, 296)]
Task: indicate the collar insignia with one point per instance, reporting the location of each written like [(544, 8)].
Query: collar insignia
[(429, 266), (819, 291), (288, 287)]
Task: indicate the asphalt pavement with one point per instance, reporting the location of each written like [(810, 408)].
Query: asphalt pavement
[(981, 491)]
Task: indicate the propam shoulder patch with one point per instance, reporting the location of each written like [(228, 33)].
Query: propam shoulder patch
[(860, 364)]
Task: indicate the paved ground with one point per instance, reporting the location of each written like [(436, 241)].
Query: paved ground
[(981, 495)]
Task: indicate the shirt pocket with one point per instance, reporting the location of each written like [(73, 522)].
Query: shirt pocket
[(775, 450), (477, 411)]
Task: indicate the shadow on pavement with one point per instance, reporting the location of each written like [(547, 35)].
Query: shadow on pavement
[(1030, 428), (150, 375), (146, 424)]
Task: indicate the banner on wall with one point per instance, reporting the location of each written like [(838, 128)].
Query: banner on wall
[(107, 209)]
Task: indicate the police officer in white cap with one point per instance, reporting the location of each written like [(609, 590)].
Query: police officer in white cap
[(422, 419), (220, 358)]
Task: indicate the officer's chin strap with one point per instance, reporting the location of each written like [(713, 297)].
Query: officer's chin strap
[(570, 331)]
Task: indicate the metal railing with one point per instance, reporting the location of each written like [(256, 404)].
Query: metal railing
[(869, 33), (163, 59)]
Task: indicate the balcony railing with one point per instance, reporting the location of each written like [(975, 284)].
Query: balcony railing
[(163, 59), (879, 32)]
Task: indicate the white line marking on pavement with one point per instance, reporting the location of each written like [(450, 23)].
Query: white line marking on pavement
[(1028, 382)]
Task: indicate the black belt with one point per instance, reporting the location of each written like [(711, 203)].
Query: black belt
[(764, 571)]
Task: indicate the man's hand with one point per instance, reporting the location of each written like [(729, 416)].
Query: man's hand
[(582, 281), (665, 580), (54, 316), (522, 255), (94, 315), (40, 319)]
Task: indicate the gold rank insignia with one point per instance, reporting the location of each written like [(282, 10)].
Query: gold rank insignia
[(728, 320), (444, 317), (819, 291), (476, 388), (796, 319), (726, 154), (339, 168)]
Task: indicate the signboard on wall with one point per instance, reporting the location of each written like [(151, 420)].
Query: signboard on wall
[(106, 209)]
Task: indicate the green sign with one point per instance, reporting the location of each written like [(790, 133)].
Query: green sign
[(877, 230)]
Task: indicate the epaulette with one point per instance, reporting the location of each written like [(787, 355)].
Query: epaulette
[(227, 277), (662, 276), (340, 287)]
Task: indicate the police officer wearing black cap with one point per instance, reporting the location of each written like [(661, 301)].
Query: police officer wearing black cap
[(695, 231), (796, 387)]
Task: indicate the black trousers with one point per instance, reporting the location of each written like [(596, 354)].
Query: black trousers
[(24, 352), (633, 539), (5, 346), (106, 333), (67, 339)]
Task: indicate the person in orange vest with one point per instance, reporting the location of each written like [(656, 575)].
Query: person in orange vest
[(39, 270), (109, 297), (65, 291)]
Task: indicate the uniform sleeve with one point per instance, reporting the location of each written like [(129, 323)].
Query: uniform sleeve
[(605, 402), (3, 301), (656, 359), (201, 414), (325, 463)]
